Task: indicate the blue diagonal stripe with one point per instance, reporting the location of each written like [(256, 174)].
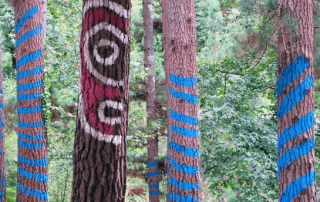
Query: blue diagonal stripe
[(28, 15), (295, 96), (183, 118), (191, 170), (1, 91), (1, 106), (152, 174), (193, 152), (3, 183), (1, 193), (304, 124), (31, 137), (292, 72), (36, 176), (28, 73), (183, 185), (26, 97), (183, 81), (152, 164), (153, 186), (30, 125), (28, 58), (33, 162), (28, 35), (30, 145), (294, 153), (29, 110), (184, 131), (182, 198), (297, 186), (193, 99), (1, 122), (30, 192), (29, 86), (1, 137), (154, 192)]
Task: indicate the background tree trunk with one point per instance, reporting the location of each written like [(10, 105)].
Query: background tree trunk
[(184, 179), (99, 157), (153, 157), (30, 18), (2, 138), (296, 164)]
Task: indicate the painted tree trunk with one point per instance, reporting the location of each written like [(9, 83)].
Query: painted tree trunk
[(2, 138), (99, 158), (296, 138), (30, 18), (153, 158), (184, 179)]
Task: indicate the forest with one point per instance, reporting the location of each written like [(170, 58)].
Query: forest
[(159, 100)]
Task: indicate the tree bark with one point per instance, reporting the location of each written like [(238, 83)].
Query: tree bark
[(30, 18), (3, 196), (153, 158), (184, 180), (99, 158), (296, 138)]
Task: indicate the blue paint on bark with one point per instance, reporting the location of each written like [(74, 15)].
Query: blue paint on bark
[(295, 96), (183, 118), (191, 170), (193, 99), (297, 186), (291, 73), (183, 81)]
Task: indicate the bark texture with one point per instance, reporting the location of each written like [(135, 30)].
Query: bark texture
[(99, 158), (184, 180), (296, 138), (2, 138), (30, 18), (153, 158)]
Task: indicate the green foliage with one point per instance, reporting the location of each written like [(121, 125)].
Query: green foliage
[(239, 127)]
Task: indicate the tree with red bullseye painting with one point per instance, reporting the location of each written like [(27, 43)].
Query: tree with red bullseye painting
[(99, 156)]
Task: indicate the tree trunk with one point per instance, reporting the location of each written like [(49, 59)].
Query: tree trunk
[(296, 138), (153, 157), (184, 179), (30, 18), (2, 138), (99, 158)]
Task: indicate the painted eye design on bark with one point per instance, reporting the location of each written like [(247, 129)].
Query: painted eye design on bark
[(103, 66), (103, 45)]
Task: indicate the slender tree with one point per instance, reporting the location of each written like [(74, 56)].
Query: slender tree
[(296, 140), (153, 158), (2, 138), (30, 18), (99, 158), (184, 178)]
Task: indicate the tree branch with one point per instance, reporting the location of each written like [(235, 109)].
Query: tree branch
[(267, 88), (265, 50), (234, 73)]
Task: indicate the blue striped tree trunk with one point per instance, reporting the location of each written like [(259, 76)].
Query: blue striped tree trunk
[(30, 18), (296, 138), (184, 180), (153, 157), (2, 138)]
